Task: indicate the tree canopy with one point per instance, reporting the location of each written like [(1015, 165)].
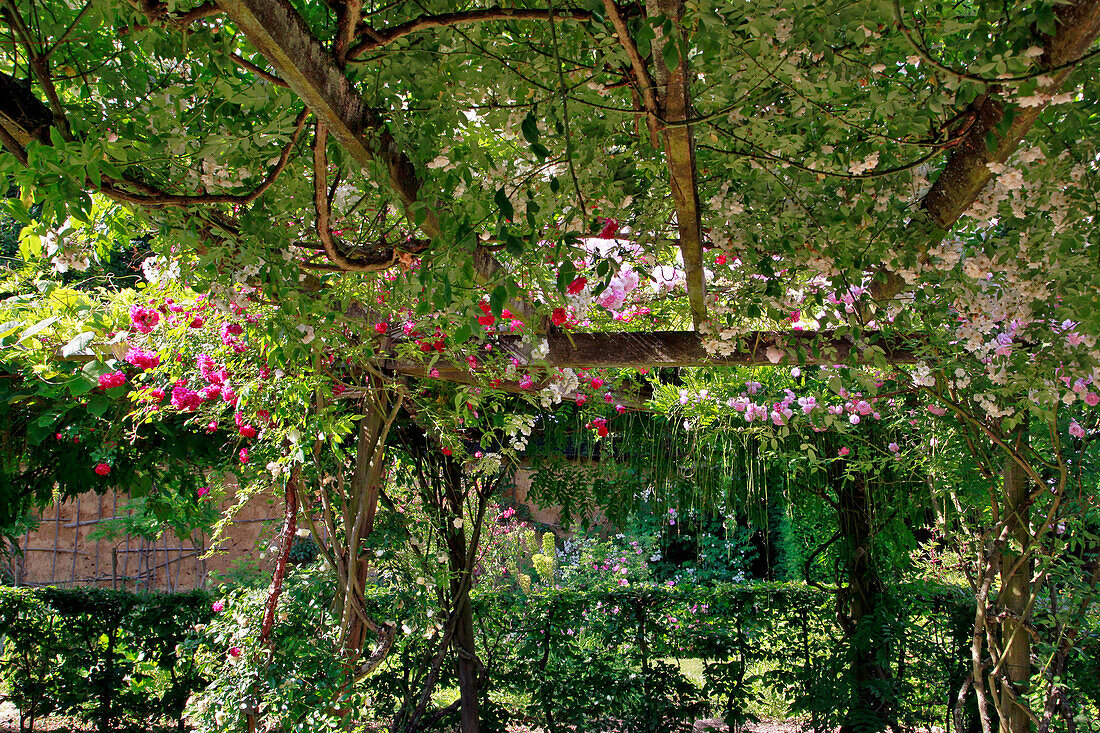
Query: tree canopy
[(719, 166), (505, 196)]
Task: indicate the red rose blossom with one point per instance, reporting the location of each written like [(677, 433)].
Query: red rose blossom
[(577, 285)]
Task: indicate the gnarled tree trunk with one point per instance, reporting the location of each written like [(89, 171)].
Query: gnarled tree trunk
[(860, 601)]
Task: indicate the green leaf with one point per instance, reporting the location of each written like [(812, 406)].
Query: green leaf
[(566, 274), (497, 298), (530, 128), (9, 327), (502, 202), (37, 433), (671, 53), (514, 245), (38, 328), (462, 334), (95, 368), (643, 38), (98, 405), (30, 245), (77, 344), (16, 209), (81, 384)]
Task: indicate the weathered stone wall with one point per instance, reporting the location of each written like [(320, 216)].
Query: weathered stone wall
[(60, 551), (517, 493)]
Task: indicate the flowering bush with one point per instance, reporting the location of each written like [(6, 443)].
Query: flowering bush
[(292, 684)]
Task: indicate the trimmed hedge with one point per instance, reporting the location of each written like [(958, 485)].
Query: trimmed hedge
[(598, 658), (112, 657), (601, 657)]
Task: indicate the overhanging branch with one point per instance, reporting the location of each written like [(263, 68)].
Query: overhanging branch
[(374, 39), (967, 171), (277, 31)]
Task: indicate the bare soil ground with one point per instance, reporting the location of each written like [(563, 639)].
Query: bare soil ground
[(714, 725), (9, 723)]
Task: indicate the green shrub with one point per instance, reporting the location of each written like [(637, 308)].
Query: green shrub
[(296, 682), (105, 656), (606, 657), (600, 658)]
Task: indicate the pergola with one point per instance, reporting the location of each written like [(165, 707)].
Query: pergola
[(315, 73)]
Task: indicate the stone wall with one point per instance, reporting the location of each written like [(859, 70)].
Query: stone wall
[(60, 551), (516, 493)]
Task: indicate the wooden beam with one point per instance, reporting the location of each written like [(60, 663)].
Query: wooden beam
[(656, 349), (674, 92), (685, 348), (634, 400)]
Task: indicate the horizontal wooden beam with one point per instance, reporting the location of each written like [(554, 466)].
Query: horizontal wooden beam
[(685, 348), (655, 349), (631, 399)]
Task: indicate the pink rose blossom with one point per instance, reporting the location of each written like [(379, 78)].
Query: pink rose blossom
[(108, 381), (144, 320), (210, 392), (142, 359), (184, 399)]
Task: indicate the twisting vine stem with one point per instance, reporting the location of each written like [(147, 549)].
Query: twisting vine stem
[(565, 113)]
